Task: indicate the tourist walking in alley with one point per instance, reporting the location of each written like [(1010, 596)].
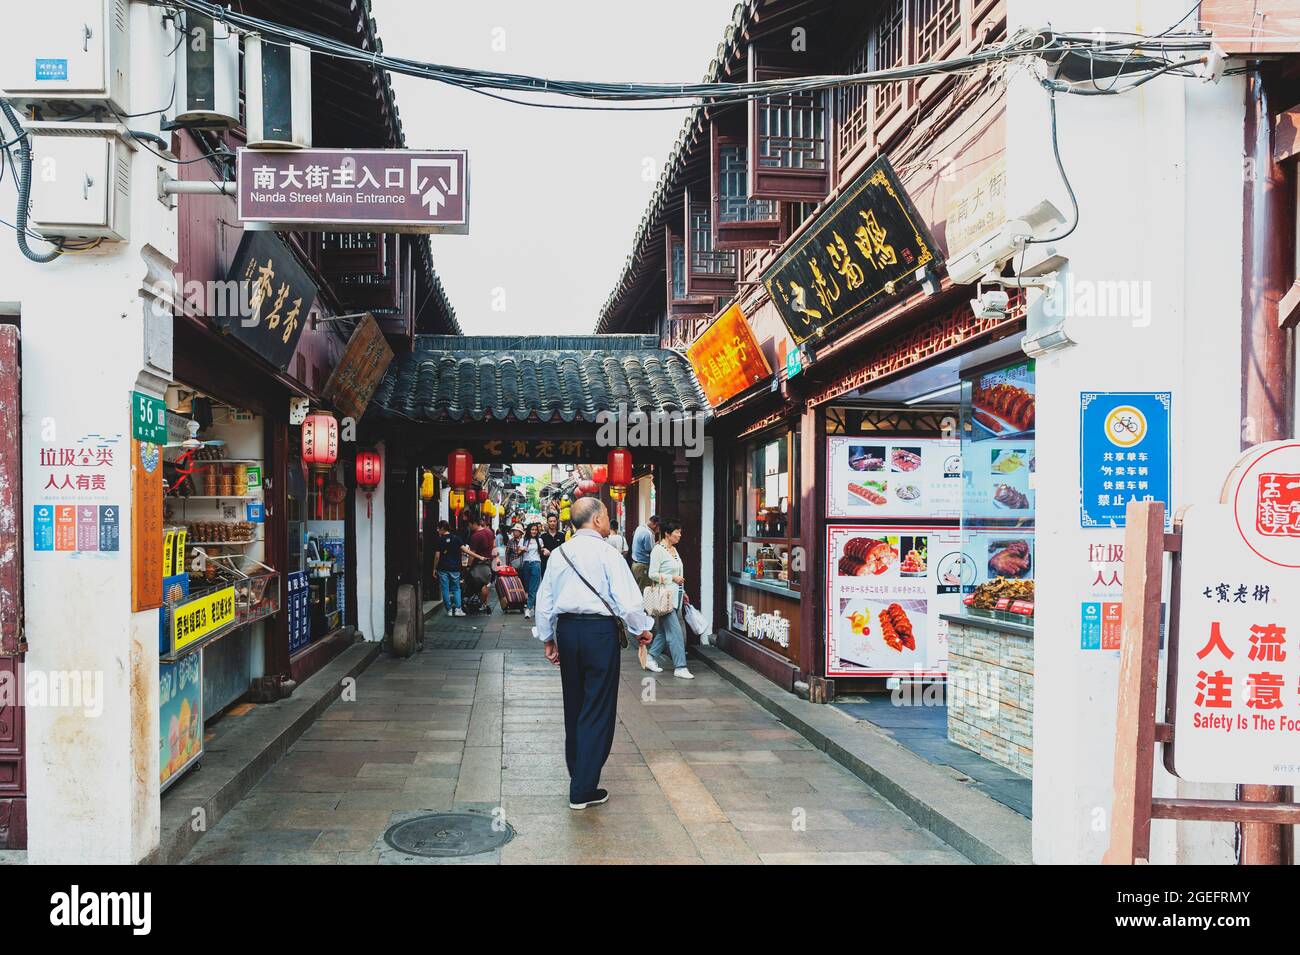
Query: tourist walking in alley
[(643, 541), (585, 594), (447, 550), (617, 540), (551, 538), (530, 565), (666, 570), (482, 542)]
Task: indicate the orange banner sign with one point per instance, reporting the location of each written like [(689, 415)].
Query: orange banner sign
[(726, 357)]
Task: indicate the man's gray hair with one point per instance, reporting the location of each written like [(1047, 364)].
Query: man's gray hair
[(584, 510)]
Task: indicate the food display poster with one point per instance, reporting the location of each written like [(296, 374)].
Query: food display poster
[(989, 553), (180, 716), (886, 588), (998, 460), (901, 478), (1123, 453)]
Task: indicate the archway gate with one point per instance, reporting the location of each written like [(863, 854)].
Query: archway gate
[(533, 400)]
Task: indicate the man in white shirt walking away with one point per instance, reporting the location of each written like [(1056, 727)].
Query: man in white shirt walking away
[(576, 606)]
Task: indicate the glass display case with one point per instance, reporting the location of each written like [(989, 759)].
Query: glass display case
[(998, 489), (765, 513)]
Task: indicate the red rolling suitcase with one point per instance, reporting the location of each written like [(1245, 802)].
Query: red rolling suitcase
[(511, 593)]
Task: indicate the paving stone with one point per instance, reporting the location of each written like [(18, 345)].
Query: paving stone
[(698, 774)]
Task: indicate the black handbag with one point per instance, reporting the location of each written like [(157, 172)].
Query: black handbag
[(619, 625)]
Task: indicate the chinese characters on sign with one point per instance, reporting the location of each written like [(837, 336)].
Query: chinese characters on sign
[(570, 451), (726, 357), (1237, 713), (866, 247), (76, 509), (358, 373), (394, 190), (280, 296), (1124, 453)]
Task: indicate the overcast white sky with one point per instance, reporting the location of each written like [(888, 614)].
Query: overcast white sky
[(555, 195)]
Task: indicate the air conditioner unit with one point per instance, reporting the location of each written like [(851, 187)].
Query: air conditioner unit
[(277, 93), (207, 75), (81, 180), (67, 56)]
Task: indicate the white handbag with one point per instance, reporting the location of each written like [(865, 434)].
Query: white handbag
[(658, 600)]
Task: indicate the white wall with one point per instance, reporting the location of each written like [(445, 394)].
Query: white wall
[(92, 779), (709, 554), (1158, 173), (370, 560)]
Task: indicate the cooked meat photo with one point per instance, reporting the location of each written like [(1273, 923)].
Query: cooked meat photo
[(1011, 561), (1009, 497), (866, 494), (905, 460), (1011, 403), (864, 556), (866, 462), (896, 628)]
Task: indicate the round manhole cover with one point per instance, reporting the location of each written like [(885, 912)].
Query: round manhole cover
[(449, 834)]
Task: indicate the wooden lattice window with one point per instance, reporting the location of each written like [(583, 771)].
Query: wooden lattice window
[(677, 275), (938, 28), (788, 150), (890, 48), (709, 270), (740, 220), (853, 105)]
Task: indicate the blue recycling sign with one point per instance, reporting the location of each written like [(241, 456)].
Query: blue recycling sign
[(1124, 453)]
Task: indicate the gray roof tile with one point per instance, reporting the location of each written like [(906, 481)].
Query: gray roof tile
[(546, 378)]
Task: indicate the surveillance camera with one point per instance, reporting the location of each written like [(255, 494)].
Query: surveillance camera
[(990, 304), (989, 252)]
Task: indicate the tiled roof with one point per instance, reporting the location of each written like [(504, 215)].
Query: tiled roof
[(547, 378)]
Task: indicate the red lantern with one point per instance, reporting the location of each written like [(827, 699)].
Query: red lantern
[(320, 449), (370, 471), (588, 487), (619, 462), (460, 469), (599, 473)]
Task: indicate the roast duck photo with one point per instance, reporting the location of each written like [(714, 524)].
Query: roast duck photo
[(1010, 498), (865, 556), (1011, 403), (1011, 561)]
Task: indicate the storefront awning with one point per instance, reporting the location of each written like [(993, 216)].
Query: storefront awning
[(543, 378)]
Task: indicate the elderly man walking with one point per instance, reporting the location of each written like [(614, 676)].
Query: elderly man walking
[(585, 587)]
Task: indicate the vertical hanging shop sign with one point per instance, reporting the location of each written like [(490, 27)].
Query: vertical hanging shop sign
[(276, 298), (146, 526), (1123, 453), (726, 357)]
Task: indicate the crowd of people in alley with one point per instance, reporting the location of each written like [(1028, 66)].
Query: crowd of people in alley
[(587, 588)]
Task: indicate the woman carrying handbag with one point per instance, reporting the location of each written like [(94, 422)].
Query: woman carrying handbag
[(663, 600)]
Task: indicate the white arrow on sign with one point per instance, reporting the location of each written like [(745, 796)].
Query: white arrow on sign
[(434, 197)]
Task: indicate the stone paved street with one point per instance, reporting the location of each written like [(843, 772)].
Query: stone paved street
[(699, 773)]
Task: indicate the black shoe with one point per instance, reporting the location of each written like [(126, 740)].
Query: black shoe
[(602, 795)]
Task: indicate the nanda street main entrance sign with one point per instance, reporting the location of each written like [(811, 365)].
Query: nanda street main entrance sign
[(361, 190)]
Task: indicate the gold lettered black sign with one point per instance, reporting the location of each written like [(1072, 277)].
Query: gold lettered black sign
[(864, 249), (275, 297)]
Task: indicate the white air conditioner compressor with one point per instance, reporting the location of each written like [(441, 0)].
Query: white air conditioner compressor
[(206, 88), (277, 93)]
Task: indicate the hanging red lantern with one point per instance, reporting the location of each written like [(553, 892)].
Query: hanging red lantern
[(320, 449), (460, 469), (599, 473), (588, 487), (619, 462), (370, 471)]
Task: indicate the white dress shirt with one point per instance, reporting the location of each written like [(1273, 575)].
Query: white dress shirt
[(562, 592)]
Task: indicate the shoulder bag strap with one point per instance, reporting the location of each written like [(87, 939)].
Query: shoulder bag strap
[(567, 560)]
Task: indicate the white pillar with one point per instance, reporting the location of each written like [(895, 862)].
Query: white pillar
[(1158, 175), (370, 560), (88, 341)]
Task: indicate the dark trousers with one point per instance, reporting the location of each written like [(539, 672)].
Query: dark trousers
[(589, 674)]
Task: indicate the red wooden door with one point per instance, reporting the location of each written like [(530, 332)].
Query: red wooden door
[(13, 782)]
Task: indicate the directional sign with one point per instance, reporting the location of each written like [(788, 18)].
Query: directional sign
[(356, 190)]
